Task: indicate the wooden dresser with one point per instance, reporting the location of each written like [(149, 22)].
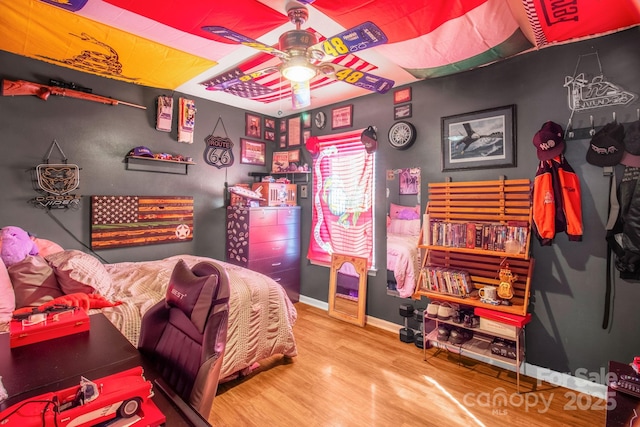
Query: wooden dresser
[(267, 240)]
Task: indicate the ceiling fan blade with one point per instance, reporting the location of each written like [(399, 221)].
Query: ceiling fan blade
[(225, 81), (360, 37), (244, 40), (300, 94), (358, 78)]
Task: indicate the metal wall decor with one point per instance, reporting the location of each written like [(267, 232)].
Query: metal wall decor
[(57, 180), (219, 150)]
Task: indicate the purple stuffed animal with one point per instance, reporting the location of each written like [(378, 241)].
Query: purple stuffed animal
[(16, 245)]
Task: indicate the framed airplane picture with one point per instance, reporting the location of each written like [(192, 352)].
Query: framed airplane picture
[(479, 140)]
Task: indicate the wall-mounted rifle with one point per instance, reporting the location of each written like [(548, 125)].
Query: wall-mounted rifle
[(22, 87)]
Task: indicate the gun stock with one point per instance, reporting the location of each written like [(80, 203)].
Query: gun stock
[(22, 87)]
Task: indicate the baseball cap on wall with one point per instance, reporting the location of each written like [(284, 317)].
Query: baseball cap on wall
[(607, 146), (370, 139), (631, 155), (549, 141), (141, 151)]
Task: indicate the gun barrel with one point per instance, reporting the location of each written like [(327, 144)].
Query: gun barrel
[(21, 87)]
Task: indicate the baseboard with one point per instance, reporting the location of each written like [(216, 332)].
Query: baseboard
[(580, 385)]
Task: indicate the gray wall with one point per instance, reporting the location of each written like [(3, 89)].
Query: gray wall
[(569, 278)]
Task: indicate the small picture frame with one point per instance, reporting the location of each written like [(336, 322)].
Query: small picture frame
[(306, 134), (253, 125), (294, 131), (306, 120), (342, 117), (409, 181), (280, 161), (282, 142), (252, 152), (401, 96), (269, 134), (269, 124), (283, 126), (402, 111), (294, 156)]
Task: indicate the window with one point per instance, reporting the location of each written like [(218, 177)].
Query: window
[(342, 204)]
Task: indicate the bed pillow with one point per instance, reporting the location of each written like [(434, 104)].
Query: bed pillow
[(395, 211), (405, 227), (77, 271), (7, 296), (46, 247), (34, 282)]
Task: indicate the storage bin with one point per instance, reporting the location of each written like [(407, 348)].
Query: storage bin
[(499, 328)]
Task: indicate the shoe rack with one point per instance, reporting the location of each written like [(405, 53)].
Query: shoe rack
[(497, 203), (478, 346)]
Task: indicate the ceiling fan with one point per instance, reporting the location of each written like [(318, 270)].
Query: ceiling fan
[(303, 57)]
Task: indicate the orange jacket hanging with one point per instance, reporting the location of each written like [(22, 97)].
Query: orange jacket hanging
[(557, 205)]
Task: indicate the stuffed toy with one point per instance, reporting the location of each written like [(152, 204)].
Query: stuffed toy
[(16, 245)]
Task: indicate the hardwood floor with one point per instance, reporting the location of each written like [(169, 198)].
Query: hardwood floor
[(347, 376)]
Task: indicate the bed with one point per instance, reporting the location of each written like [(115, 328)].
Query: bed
[(261, 316), (403, 256)]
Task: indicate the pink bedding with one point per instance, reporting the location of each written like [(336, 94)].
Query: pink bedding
[(403, 259), (261, 316)]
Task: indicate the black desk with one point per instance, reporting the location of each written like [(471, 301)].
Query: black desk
[(58, 363), (626, 411)]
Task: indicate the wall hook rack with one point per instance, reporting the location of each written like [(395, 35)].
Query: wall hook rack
[(588, 132)]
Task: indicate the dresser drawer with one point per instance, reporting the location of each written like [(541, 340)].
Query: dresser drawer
[(262, 217), (270, 266), (273, 232), (289, 216), (276, 248)]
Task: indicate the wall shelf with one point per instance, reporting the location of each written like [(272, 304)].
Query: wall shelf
[(148, 164), (294, 177), (501, 201)]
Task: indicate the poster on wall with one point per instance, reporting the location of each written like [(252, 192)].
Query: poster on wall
[(121, 221)]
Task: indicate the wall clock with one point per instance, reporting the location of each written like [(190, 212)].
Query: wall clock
[(320, 119), (402, 135)]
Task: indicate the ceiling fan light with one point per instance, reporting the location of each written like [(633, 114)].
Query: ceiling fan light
[(297, 69)]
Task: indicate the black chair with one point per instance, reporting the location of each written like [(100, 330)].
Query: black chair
[(185, 335)]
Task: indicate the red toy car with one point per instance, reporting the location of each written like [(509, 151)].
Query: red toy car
[(122, 395)]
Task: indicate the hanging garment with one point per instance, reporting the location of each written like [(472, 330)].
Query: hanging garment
[(624, 238), (557, 205)]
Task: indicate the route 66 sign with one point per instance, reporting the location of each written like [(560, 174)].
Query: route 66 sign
[(219, 151)]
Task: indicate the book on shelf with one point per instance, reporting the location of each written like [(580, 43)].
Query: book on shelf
[(510, 237), (471, 235), (446, 280)]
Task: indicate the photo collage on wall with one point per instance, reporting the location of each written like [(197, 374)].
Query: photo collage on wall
[(285, 133)]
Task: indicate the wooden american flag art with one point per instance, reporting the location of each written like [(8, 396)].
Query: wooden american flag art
[(119, 221)]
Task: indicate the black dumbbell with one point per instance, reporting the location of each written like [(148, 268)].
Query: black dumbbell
[(406, 333)]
